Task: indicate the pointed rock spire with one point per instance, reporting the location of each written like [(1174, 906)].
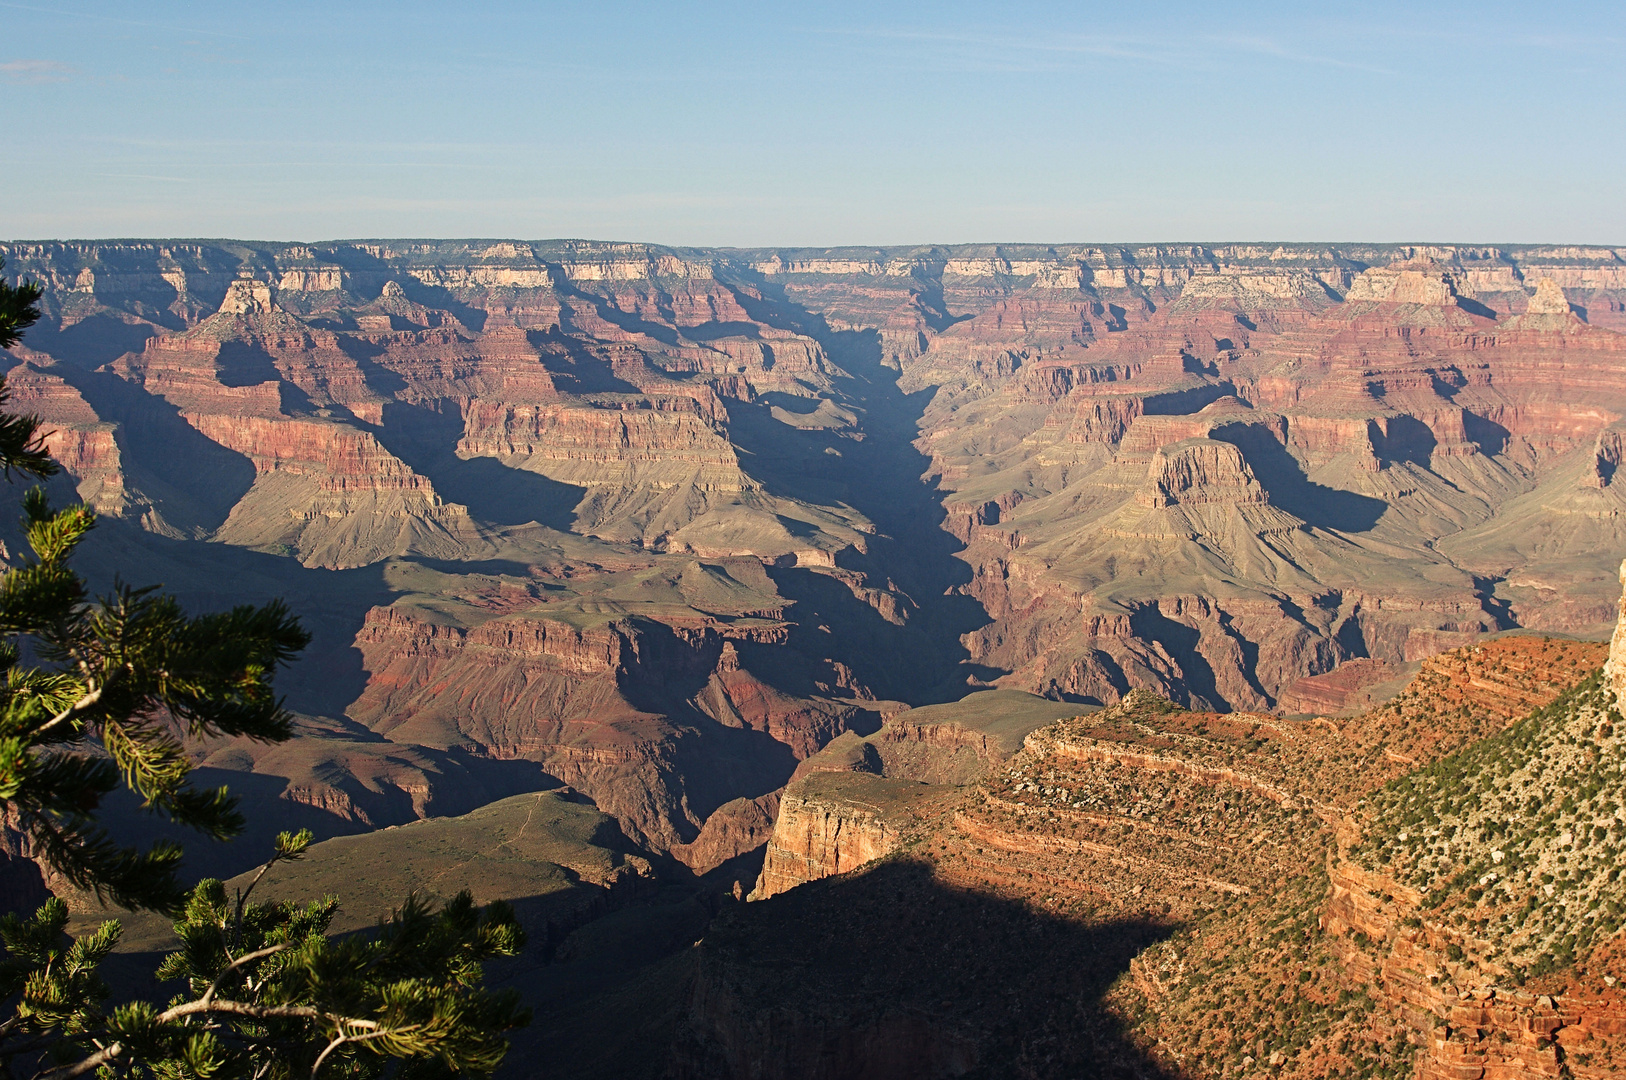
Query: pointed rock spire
[(1549, 299)]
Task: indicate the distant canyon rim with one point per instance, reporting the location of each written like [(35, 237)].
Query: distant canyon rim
[(662, 523)]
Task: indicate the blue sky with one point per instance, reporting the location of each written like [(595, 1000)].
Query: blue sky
[(815, 124)]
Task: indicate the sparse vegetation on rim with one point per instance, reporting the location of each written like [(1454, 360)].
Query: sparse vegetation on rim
[(1515, 843)]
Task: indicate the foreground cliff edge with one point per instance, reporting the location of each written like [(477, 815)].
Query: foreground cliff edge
[(1430, 889)]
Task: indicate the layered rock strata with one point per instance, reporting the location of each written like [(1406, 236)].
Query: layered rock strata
[(1614, 669), (1249, 477)]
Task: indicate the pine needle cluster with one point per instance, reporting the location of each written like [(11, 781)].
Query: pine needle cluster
[(267, 993)]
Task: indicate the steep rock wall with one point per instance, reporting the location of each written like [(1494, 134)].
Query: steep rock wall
[(862, 797), (831, 823), (1478, 1031), (1615, 667), (660, 724)]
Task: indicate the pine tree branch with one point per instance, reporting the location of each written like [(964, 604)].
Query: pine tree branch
[(368, 1028), (82, 704), (104, 1056), (247, 958), (254, 1012), (242, 900), (38, 1042), (341, 1040), (19, 309)]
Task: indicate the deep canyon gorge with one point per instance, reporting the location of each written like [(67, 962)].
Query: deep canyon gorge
[(752, 567)]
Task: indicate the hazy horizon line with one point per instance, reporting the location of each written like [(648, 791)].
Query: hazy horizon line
[(405, 238)]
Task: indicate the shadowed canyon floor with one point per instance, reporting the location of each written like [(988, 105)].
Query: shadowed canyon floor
[(773, 558)]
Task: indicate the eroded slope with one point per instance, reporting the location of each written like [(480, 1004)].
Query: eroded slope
[(664, 522)]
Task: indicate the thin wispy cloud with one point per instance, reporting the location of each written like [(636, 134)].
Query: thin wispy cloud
[(33, 72), (1461, 34), (1004, 47), (1090, 45), (1170, 50), (1267, 47), (148, 176)]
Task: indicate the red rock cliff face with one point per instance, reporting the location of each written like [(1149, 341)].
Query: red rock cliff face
[(1144, 811), (22, 880), (530, 688), (333, 494), (77, 439), (663, 446), (1614, 669), (832, 823), (1508, 1033), (340, 458), (862, 798), (600, 706)]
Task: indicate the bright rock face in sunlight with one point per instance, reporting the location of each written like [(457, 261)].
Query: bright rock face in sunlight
[(1614, 668)]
